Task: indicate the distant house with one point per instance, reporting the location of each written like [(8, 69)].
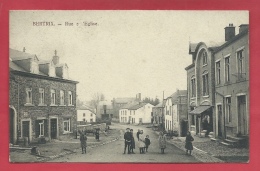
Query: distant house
[(124, 113), (118, 103), (85, 114), (158, 114), (141, 113), (180, 112), (104, 110)]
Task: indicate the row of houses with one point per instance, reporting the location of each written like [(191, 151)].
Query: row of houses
[(171, 113), (218, 85)]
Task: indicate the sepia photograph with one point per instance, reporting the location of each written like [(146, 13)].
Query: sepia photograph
[(129, 86)]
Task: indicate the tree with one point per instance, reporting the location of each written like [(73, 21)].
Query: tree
[(151, 101), (96, 98)]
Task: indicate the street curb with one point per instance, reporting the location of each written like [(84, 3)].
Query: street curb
[(72, 152), (199, 154)]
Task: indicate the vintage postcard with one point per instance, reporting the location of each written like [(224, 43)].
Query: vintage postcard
[(105, 86)]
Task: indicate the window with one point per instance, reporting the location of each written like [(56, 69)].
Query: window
[(84, 114), (193, 87), (53, 97), (91, 120), (204, 58), (240, 64), (218, 72), (29, 95), (70, 98), (205, 84), (227, 69), (39, 128), (228, 109), (41, 96), (91, 115), (84, 120), (62, 97), (66, 125)]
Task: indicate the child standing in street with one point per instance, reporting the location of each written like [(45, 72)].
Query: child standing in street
[(188, 144), (147, 142)]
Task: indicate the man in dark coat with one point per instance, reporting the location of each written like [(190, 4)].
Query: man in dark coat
[(132, 147), (128, 138), (137, 134)]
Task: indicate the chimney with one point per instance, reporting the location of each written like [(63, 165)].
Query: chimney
[(55, 58), (229, 32), (243, 27)]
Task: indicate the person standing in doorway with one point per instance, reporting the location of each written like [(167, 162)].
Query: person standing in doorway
[(188, 143), (162, 142), (128, 138)]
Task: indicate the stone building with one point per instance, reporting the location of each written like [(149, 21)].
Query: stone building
[(232, 84), (200, 87), (42, 99), (218, 86)]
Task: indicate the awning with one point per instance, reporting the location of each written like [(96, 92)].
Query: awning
[(199, 110)]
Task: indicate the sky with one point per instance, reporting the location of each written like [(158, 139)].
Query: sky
[(121, 53)]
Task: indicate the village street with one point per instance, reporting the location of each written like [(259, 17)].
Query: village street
[(113, 152)]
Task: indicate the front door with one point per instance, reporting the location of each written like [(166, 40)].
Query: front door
[(26, 129), (11, 125), (242, 117), (219, 112), (53, 128)]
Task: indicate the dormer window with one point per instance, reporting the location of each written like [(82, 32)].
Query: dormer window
[(34, 67)]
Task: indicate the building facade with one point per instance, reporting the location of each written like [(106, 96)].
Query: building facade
[(42, 99), (118, 103), (223, 73), (86, 115), (232, 84), (201, 88)]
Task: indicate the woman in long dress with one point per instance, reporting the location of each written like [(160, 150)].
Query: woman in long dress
[(162, 142), (188, 143), (141, 142)]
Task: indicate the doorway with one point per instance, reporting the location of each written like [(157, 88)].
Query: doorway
[(26, 130), (242, 116), (53, 128), (219, 124)]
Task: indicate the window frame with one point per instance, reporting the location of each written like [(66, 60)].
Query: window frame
[(228, 109), (41, 96), (193, 86), (53, 97), (218, 72), (28, 99), (66, 121), (227, 68), (70, 98), (205, 84)]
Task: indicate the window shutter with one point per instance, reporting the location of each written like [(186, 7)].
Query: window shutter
[(37, 128)]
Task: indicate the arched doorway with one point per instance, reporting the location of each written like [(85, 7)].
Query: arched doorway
[(12, 125)]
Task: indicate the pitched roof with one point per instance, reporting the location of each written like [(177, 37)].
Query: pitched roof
[(129, 105), (19, 55), (178, 93), (85, 108), (139, 105), (124, 99)]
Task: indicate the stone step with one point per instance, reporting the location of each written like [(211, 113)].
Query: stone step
[(231, 141), (226, 144), (236, 138), (213, 139)]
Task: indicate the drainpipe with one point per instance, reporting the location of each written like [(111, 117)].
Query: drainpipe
[(224, 115), (18, 109)]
